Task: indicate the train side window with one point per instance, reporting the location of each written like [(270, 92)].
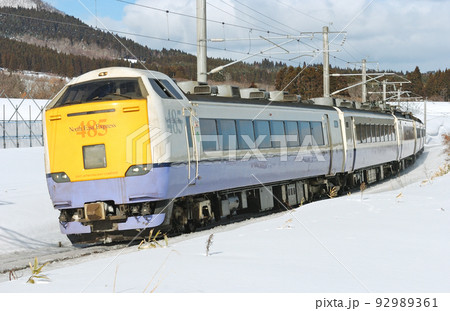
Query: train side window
[(317, 133), (363, 133), (406, 133), (292, 134), (377, 133), (246, 134), (372, 133), (382, 132), (386, 132), (227, 134), (394, 137), (171, 89), (359, 136), (305, 130), (164, 89), (208, 130), (278, 137), (366, 133), (262, 133)]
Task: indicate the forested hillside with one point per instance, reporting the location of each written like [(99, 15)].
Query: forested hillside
[(66, 38), (45, 41)]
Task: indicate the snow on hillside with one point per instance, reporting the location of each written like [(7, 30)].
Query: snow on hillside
[(28, 4), (391, 238)]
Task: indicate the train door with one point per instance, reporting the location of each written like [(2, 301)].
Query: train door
[(192, 131), (351, 144), (415, 136), (327, 127)]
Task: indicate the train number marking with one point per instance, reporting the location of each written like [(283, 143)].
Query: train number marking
[(92, 128), (174, 122)]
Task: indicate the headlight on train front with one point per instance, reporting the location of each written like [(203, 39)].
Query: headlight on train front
[(60, 177), (138, 170)]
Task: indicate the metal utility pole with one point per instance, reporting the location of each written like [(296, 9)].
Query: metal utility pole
[(326, 63), (384, 91), (364, 78), (201, 41)]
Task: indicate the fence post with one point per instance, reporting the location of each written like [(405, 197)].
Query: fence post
[(4, 126), (29, 109), (17, 126)]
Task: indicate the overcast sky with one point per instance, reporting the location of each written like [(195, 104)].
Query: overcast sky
[(390, 34)]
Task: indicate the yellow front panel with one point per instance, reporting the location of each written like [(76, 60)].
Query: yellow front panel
[(122, 127)]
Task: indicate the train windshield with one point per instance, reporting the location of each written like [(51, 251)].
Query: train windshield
[(100, 90)]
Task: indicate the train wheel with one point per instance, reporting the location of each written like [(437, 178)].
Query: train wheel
[(190, 226)]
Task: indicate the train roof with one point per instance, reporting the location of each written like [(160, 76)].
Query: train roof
[(116, 72), (257, 102)]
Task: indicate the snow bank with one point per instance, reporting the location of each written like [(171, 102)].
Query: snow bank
[(387, 242), (28, 220), (391, 238)]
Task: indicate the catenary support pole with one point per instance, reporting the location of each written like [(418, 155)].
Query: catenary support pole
[(326, 64), (201, 41), (364, 80)]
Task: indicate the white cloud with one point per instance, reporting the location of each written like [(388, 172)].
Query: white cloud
[(398, 34)]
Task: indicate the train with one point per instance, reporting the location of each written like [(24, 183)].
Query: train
[(130, 150)]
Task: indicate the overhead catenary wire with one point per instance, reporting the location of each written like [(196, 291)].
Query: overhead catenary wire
[(195, 17), (268, 17), (251, 16), (212, 21), (236, 17)]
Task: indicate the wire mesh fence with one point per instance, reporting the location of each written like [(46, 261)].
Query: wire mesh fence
[(21, 122)]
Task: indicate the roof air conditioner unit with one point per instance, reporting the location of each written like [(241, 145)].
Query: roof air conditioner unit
[(281, 96), (228, 91), (194, 87), (252, 93)]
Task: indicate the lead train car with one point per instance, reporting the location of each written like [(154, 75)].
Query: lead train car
[(126, 150)]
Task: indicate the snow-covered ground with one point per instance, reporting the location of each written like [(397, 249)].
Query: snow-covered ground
[(394, 237)]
